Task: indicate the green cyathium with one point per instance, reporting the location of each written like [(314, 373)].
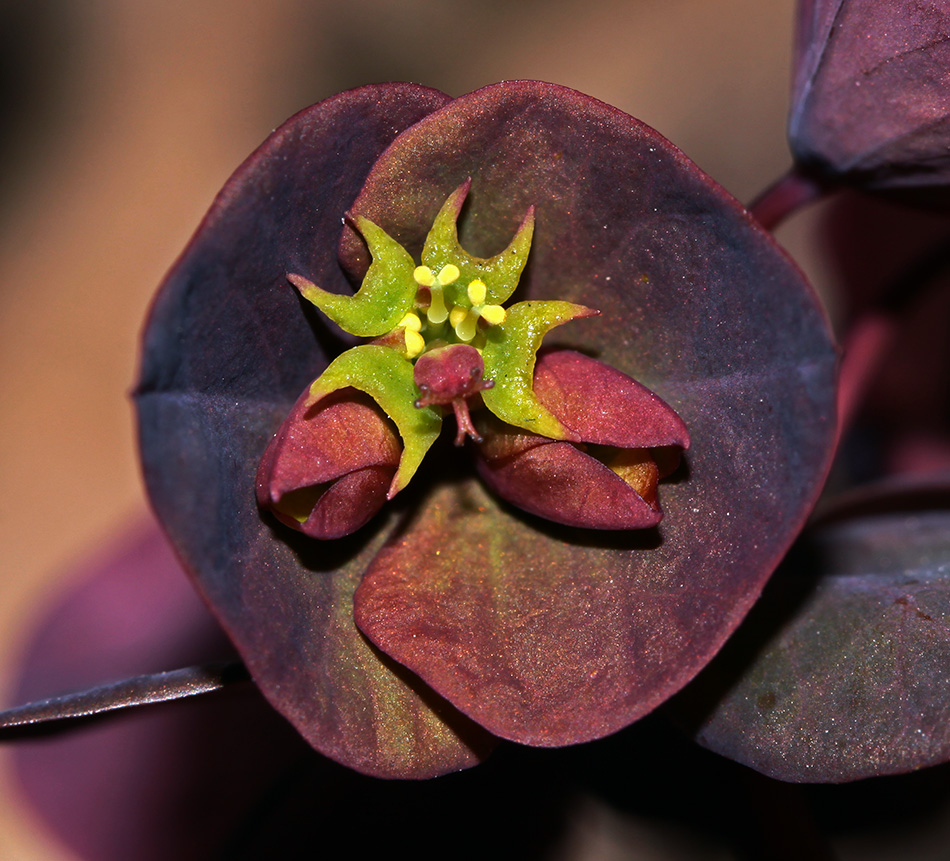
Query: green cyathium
[(451, 298)]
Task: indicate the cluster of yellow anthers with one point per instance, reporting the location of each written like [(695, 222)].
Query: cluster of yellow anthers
[(462, 319)]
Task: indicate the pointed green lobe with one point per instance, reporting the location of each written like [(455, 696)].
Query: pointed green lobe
[(385, 296), (386, 376), (500, 273), (510, 353)]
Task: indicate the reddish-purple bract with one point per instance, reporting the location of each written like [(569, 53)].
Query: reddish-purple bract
[(547, 635), (327, 470), (228, 349), (567, 483)]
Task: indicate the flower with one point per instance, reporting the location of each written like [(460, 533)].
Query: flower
[(407, 648), (436, 331)]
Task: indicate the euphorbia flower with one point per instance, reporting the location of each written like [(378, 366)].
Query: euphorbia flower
[(451, 619), (444, 339)]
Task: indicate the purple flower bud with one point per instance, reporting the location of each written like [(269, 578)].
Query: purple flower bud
[(328, 468), (629, 438)]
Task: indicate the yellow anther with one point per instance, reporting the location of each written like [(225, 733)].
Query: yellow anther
[(494, 315), (449, 274), (415, 343), (423, 275), (410, 321), (457, 316), (477, 291)]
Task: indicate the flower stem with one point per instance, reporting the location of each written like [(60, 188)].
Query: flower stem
[(789, 193), (863, 351), (871, 336), (62, 712)]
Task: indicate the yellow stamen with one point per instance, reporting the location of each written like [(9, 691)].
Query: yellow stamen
[(457, 316), (467, 327), (423, 275), (415, 343), (449, 274), (494, 315), (410, 321), (436, 312), (477, 291)]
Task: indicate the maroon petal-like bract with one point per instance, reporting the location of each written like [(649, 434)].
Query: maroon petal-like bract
[(550, 635), (603, 405), (566, 484), (871, 97), (841, 672), (228, 349), (342, 448)]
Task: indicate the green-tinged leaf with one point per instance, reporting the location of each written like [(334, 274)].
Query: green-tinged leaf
[(500, 273), (510, 353), (841, 672), (386, 376), (545, 634), (385, 296)]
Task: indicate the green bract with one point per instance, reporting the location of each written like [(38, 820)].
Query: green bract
[(387, 378), (452, 298)]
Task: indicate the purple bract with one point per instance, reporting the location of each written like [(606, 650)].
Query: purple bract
[(451, 619)]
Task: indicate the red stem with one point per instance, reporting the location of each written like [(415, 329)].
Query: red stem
[(863, 351), (872, 335), (789, 193)]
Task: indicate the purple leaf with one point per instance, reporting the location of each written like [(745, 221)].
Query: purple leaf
[(548, 635), (840, 673), (227, 351), (871, 95)]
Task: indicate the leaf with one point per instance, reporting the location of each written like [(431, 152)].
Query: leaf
[(871, 95), (840, 673), (227, 351), (549, 635)]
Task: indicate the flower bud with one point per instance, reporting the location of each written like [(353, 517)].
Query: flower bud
[(629, 439), (328, 468)]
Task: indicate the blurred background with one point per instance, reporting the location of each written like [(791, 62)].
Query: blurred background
[(122, 118)]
